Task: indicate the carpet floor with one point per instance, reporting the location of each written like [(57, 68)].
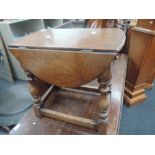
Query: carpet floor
[(15, 100), (139, 119)]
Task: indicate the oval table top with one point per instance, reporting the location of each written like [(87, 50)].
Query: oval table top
[(55, 55), (101, 39)]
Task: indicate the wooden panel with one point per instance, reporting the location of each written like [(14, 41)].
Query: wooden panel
[(139, 44), (146, 23), (64, 68), (97, 39), (148, 64)]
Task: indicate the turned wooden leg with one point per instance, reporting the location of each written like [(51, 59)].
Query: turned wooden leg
[(37, 89), (34, 92), (104, 101)]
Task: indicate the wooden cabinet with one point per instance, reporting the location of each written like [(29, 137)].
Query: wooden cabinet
[(141, 64)]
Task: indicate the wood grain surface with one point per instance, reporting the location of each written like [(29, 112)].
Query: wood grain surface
[(78, 39), (60, 57), (140, 48), (64, 68)]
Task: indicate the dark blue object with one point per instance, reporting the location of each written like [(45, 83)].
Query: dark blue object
[(1, 58)]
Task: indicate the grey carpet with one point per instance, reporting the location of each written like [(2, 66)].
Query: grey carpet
[(15, 100), (139, 119)]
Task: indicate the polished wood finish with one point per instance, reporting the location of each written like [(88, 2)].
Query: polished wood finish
[(68, 62), (85, 55), (74, 39), (146, 23), (80, 103), (64, 68), (140, 48)]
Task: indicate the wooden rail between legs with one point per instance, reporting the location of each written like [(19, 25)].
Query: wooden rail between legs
[(88, 123), (51, 89), (88, 88)]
